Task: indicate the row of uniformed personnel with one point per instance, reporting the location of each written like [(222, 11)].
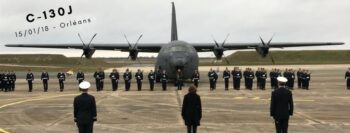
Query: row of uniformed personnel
[(7, 81)]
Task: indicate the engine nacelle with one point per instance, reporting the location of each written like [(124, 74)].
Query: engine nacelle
[(88, 52), (133, 54), (262, 51), (218, 52)]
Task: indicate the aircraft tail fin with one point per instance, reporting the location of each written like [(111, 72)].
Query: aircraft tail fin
[(173, 24)]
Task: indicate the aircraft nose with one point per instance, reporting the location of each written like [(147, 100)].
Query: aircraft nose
[(178, 61)]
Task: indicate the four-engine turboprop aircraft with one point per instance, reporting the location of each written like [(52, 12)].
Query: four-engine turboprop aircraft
[(177, 54)]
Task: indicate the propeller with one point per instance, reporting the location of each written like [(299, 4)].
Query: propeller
[(88, 49), (263, 49), (219, 49), (133, 51)]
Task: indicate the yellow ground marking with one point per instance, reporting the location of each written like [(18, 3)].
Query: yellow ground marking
[(35, 99), (3, 131)]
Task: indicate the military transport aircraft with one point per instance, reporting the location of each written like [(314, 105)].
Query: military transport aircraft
[(176, 54)]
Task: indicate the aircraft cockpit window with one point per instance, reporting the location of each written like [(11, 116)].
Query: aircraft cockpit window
[(178, 48)]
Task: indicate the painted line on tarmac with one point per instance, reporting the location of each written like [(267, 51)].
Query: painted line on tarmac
[(3, 131), (35, 99)]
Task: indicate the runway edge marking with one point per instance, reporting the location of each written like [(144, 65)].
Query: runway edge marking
[(35, 99)]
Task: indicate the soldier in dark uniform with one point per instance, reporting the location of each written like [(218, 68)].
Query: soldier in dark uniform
[(212, 79), (299, 74), (195, 78), (158, 75), (272, 78), (61, 78), (164, 79), (281, 106), (291, 78), (237, 76), (250, 78), (226, 75), (306, 79), (192, 110), (13, 79), (114, 76), (30, 79), (6, 82), (80, 77), (347, 78), (151, 79), (286, 74), (258, 78), (99, 76), (127, 78), (245, 75), (263, 77), (85, 113), (45, 78), (179, 79), (139, 78), (1, 83)]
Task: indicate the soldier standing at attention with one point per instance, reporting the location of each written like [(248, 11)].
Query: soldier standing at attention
[(139, 78), (307, 79), (179, 79), (164, 79), (250, 78), (281, 106), (299, 74), (13, 79), (6, 82), (30, 79), (195, 78), (151, 79), (291, 79), (158, 75), (263, 77), (347, 79), (258, 78), (80, 77), (61, 78), (85, 113), (237, 76), (45, 78), (226, 75), (1, 83), (245, 74), (127, 78), (102, 76), (212, 78), (114, 76)]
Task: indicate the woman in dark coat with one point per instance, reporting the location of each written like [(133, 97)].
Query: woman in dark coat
[(192, 110)]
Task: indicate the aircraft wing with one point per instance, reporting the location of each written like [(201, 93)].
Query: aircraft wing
[(205, 47), (142, 47)]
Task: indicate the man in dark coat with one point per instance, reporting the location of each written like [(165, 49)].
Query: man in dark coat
[(30, 79), (13, 79), (179, 79), (139, 78), (45, 78), (347, 78), (85, 109), (151, 79), (61, 78), (164, 79), (127, 78), (281, 106), (192, 110), (237, 76), (80, 77), (299, 74), (195, 78), (226, 75), (114, 76)]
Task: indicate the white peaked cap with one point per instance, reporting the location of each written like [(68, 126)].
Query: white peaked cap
[(282, 79), (84, 85)]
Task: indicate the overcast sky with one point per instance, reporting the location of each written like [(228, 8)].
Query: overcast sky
[(198, 20)]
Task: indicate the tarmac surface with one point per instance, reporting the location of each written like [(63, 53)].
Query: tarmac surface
[(325, 108)]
